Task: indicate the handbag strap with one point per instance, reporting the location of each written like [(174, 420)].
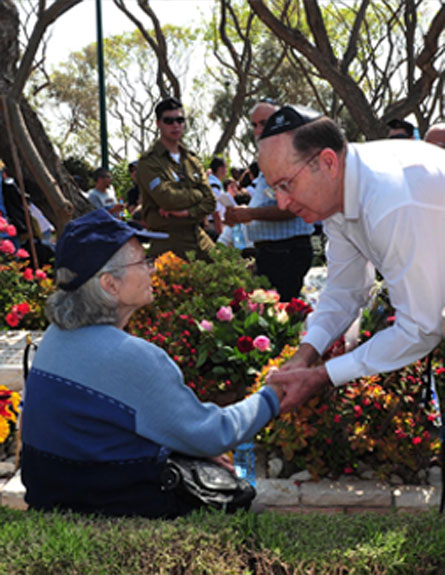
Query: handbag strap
[(30, 347)]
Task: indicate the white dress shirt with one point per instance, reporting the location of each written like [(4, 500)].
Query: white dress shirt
[(393, 221)]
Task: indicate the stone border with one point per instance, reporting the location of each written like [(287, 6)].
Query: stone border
[(287, 496)]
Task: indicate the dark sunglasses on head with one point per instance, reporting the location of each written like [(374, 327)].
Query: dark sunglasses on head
[(170, 121)]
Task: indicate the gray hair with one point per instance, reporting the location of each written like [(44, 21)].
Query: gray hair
[(89, 304)]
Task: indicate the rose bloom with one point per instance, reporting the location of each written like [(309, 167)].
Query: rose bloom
[(239, 294), (357, 411), (21, 253), (23, 308), (3, 224), (264, 296), (7, 247), (12, 319), (28, 274), (206, 325), (337, 418), (11, 231), (261, 343), (244, 344), (40, 275), (225, 313)]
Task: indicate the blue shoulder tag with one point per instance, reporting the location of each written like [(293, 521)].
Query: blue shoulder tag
[(154, 183)]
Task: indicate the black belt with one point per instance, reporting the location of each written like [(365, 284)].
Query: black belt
[(292, 240)]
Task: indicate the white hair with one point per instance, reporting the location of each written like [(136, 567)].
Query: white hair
[(89, 304)]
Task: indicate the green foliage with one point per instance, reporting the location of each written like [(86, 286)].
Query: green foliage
[(218, 544), (121, 179), (383, 421)]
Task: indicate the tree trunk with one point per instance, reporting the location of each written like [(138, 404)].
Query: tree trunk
[(48, 183)]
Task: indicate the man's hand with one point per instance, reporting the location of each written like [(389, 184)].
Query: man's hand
[(237, 215), (304, 357), (175, 213), (299, 384)]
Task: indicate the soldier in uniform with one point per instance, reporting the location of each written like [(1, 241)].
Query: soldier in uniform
[(176, 196)]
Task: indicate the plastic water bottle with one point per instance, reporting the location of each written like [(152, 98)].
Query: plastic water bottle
[(244, 462), (238, 237)]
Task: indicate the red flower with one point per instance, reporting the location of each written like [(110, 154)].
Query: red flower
[(357, 411), (239, 294), (391, 319), (21, 253), (348, 470), (12, 319), (298, 306), (28, 274), (400, 434), (440, 370), (7, 247), (417, 440), (337, 418), (244, 344), (23, 308), (40, 274)]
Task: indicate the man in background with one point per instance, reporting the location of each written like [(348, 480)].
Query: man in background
[(133, 195), (436, 135), (176, 196), (400, 129), (282, 241), (102, 195)]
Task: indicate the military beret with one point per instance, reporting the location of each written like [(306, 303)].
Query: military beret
[(288, 118)]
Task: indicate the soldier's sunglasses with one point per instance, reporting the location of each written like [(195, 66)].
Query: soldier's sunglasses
[(170, 121)]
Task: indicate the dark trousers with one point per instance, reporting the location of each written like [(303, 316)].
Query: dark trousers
[(285, 263)]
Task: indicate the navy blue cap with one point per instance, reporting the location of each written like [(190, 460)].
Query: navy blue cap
[(288, 118), (88, 242)]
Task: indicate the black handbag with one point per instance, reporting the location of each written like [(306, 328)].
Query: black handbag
[(203, 482)]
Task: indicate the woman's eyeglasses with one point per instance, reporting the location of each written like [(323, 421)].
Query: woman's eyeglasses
[(170, 121), (149, 262)]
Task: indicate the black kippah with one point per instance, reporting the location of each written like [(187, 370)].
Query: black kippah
[(288, 118)]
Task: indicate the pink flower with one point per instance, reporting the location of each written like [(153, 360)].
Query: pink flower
[(357, 411), (391, 319), (225, 313), (206, 325), (262, 343), (12, 319), (400, 433), (11, 231), (337, 418), (416, 440), (28, 274), (40, 274), (21, 253), (7, 247)]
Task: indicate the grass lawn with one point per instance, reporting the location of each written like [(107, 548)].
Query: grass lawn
[(213, 543)]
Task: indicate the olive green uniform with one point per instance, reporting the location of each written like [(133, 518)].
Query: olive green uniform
[(166, 184)]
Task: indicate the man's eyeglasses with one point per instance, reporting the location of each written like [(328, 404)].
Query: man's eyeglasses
[(170, 121), (285, 187)]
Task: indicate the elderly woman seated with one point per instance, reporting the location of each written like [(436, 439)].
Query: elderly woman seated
[(103, 409)]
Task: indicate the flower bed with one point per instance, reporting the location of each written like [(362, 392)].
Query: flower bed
[(225, 329)]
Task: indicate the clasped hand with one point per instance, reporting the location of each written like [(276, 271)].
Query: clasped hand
[(296, 384)]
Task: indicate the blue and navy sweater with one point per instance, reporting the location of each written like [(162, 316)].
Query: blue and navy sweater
[(102, 411)]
